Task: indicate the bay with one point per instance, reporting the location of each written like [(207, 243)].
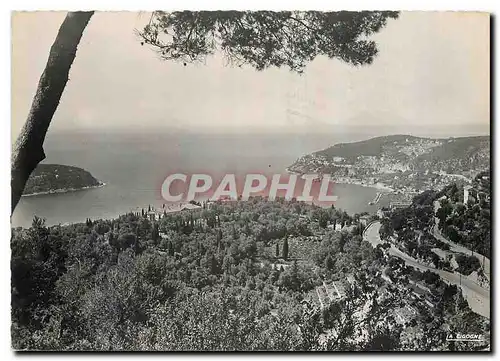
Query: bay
[(134, 165)]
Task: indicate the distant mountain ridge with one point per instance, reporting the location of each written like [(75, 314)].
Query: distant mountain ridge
[(395, 145), (56, 178), (387, 159)]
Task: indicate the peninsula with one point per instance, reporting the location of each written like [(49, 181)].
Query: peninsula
[(400, 162), (56, 178)]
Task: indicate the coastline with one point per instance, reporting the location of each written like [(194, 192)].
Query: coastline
[(66, 190), (378, 185), (174, 207)]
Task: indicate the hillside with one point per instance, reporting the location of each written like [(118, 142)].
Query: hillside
[(54, 178), (457, 154), (401, 161), (370, 147), (245, 275), (468, 221)]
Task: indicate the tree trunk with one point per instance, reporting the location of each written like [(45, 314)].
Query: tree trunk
[(28, 150)]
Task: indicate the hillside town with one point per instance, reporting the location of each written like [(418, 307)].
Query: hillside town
[(402, 167)]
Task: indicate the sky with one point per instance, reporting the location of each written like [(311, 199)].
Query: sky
[(432, 72)]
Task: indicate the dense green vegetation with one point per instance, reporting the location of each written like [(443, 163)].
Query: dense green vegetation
[(457, 153), (465, 224), (230, 276), (468, 224), (199, 280), (467, 264), (409, 229), (48, 178)]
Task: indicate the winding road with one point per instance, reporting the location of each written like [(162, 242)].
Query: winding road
[(454, 247), (478, 297)]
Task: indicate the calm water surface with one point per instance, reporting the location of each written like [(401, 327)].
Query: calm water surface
[(133, 166)]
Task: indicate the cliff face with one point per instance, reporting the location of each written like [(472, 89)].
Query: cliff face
[(48, 178)]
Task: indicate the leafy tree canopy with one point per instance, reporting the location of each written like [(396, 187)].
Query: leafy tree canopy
[(265, 38)]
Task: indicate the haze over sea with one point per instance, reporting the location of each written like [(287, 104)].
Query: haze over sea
[(134, 164)]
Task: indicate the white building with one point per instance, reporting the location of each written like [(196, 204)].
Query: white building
[(466, 194), (189, 206)]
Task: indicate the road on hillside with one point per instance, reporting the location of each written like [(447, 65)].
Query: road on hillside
[(483, 260), (477, 297)]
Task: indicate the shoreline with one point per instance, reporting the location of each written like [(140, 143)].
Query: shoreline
[(170, 208), (378, 185), (67, 190), (177, 207)]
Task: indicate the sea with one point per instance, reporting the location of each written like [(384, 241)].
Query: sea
[(134, 164)]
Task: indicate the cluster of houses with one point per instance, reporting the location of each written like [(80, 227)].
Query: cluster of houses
[(155, 214)]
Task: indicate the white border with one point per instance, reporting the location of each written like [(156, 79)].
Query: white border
[(456, 5)]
